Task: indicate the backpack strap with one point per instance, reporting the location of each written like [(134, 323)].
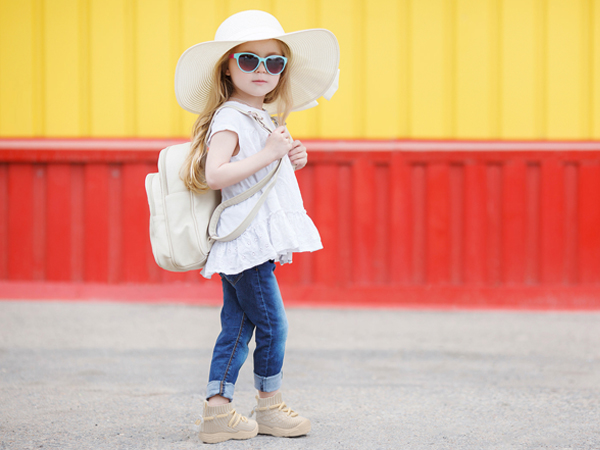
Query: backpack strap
[(268, 181)]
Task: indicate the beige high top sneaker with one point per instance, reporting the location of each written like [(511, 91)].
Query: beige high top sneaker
[(277, 419), (221, 423)]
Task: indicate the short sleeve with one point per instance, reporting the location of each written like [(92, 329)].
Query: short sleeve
[(226, 119)]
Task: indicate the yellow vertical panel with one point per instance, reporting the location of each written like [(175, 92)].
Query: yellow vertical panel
[(234, 6), (294, 16), (199, 22), (587, 76), (343, 117), (130, 52), (449, 86), (16, 68), (61, 37), (475, 65), (518, 79), (382, 69), (300, 15), (564, 56), (541, 68), (84, 58), (429, 92), (403, 81), (107, 74), (595, 68), (38, 56), (495, 61), (176, 40), (154, 69)]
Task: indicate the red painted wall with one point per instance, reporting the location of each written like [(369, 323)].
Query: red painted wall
[(468, 224)]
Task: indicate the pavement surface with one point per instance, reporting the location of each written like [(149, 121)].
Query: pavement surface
[(100, 375)]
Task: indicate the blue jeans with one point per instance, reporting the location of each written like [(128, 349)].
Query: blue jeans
[(251, 300)]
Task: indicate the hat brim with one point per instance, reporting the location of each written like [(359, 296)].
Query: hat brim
[(313, 68)]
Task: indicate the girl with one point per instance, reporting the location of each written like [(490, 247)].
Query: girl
[(252, 70)]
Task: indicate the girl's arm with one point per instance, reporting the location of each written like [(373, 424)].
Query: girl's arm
[(220, 172)]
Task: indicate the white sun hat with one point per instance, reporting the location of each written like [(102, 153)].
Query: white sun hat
[(313, 69)]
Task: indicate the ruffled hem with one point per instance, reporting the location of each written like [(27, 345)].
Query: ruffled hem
[(276, 237)]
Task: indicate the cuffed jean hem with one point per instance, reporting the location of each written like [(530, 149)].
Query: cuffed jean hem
[(268, 384), (220, 388)]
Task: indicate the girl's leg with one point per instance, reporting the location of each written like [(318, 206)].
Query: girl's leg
[(258, 295), (220, 422), (273, 416), (231, 348)]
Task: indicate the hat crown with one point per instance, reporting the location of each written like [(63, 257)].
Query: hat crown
[(250, 25)]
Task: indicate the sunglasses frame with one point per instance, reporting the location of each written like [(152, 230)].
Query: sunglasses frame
[(236, 56)]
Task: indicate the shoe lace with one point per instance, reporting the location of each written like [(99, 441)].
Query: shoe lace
[(235, 419), (280, 406)]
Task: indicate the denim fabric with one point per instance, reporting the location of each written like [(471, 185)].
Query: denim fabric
[(251, 301)]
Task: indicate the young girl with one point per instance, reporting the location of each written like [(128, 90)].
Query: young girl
[(252, 68)]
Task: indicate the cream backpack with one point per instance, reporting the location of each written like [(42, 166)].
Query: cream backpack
[(183, 224)]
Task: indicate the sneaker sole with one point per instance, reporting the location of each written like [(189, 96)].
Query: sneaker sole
[(299, 430), (214, 438)]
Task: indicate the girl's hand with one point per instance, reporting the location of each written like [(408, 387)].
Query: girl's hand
[(298, 155), (278, 143)]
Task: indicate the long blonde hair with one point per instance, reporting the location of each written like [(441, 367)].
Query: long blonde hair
[(192, 172)]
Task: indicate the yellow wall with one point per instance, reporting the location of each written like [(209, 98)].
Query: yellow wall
[(498, 69)]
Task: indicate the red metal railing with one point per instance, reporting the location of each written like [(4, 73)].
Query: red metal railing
[(484, 224)]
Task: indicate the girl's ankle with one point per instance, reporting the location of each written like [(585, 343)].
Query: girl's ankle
[(217, 400), (262, 394)]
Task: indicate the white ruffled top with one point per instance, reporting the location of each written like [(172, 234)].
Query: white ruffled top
[(281, 226)]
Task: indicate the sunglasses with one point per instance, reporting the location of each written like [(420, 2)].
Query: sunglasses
[(249, 62)]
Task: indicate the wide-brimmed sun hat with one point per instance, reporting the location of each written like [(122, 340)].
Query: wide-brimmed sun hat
[(313, 70)]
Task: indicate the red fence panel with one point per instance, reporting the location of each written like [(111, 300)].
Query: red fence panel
[(455, 224), (589, 222)]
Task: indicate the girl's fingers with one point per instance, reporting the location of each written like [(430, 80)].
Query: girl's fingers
[(297, 144), (298, 160), (284, 132), (297, 151), (294, 158), (298, 156)]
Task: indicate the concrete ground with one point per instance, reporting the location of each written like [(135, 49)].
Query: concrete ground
[(131, 376)]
